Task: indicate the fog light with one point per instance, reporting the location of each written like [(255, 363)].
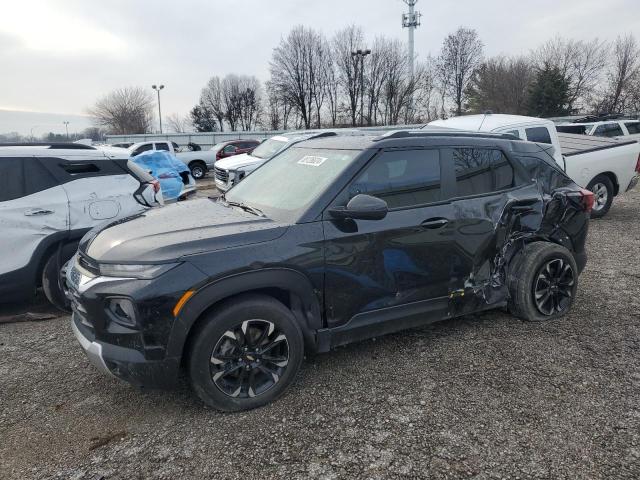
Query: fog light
[(123, 311)]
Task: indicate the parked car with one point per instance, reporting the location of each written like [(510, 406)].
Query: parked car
[(50, 196), (174, 176), (201, 161), (604, 166), (334, 240), (624, 129), (230, 171)]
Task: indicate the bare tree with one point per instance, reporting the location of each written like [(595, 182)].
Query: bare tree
[(581, 63), (211, 100), (177, 123), (501, 85), (127, 110), (623, 73), (296, 71), (344, 42), (461, 55), (398, 87)]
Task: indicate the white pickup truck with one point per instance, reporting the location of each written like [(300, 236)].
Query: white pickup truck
[(198, 161), (602, 165)]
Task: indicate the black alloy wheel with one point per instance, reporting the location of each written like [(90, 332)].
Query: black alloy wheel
[(249, 359), (553, 287)]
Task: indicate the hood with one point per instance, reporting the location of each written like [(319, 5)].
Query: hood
[(171, 232), (237, 161)]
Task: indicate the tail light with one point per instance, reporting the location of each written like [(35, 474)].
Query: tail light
[(219, 155), (156, 185), (587, 200), (638, 164)]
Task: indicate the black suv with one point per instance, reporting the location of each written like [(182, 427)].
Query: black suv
[(332, 241)]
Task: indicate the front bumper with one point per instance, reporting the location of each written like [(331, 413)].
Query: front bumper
[(126, 364), (138, 350), (93, 350)]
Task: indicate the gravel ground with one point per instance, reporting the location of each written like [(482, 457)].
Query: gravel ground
[(481, 397)]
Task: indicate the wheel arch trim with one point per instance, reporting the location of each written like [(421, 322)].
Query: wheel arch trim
[(309, 315)]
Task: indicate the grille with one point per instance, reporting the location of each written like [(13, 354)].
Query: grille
[(221, 174)]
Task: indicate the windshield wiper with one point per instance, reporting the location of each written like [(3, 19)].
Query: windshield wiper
[(246, 208)]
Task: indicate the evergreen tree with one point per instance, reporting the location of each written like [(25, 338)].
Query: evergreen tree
[(549, 94)]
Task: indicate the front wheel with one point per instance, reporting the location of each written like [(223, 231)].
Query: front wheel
[(543, 281), (245, 354), (603, 191), (198, 170)]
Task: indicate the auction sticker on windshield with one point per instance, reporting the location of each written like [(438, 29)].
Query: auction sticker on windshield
[(312, 160)]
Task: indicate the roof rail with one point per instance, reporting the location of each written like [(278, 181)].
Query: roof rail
[(322, 135), (50, 146), (445, 132)]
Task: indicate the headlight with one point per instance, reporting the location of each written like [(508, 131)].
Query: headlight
[(144, 272)]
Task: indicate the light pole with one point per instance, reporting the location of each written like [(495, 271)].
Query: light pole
[(66, 127), (32, 138), (157, 88), (360, 54)]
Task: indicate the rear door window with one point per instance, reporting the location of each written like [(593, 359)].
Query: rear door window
[(633, 127), (402, 178), (608, 130), (481, 170), (163, 146), (538, 135)]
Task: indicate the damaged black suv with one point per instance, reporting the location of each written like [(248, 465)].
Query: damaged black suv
[(335, 240)]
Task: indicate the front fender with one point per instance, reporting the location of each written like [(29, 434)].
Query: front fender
[(308, 312)]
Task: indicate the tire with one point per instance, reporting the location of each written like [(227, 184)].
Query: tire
[(227, 341), (603, 191), (532, 297), (51, 284), (198, 169)]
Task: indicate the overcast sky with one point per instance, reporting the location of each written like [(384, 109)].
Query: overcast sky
[(59, 56)]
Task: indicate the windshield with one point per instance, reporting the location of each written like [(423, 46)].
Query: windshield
[(287, 184), (268, 148)]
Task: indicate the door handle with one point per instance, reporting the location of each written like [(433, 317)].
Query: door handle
[(37, 211), (434, 223)]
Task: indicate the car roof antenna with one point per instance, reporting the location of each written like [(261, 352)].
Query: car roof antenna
[(486, 114)]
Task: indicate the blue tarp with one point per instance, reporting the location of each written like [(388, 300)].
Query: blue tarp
[(166, 168)]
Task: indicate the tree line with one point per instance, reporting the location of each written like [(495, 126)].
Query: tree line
[(317, 81)]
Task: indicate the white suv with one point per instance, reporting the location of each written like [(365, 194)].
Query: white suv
[(50, 196)]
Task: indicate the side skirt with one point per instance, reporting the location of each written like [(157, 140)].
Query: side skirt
[(383, 321)]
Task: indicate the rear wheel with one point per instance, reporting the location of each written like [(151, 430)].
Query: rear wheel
[(51, 284), (543, 280), (245, 354), (198, 169), (603, 191)]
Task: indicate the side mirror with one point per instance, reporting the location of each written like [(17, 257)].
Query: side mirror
[(362, 207)]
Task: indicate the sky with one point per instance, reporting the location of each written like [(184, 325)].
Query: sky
[(59, 56)]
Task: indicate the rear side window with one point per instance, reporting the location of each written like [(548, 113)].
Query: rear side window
[(608, 130), (545, 173), (20, 177), (480, 171), (163, 146), (80, 168), (538, 135), (11, 179), (401, 178), (633, 127)]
